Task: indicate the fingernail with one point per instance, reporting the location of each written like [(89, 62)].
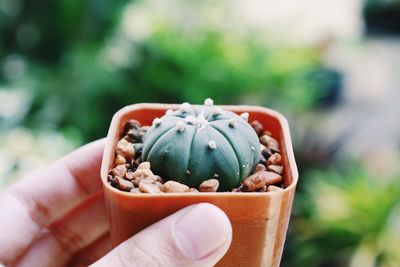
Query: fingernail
[(201, 231)]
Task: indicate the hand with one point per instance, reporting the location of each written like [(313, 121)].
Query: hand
[(56, 217)]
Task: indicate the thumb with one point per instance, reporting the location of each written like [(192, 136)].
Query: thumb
[(198, 235)]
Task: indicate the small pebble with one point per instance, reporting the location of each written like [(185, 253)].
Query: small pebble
[(131, 124), (159, 185), (257, 126), (267, 133), (134, 133), (120, 171), (262, 160), (269, 143), (129, 175), (260, 179), (141, 174), (193, 190), (158, 178), (276, 168), (138, 147), (175, 187), (275, 159), (149, 188), (144, 166), (124, 185), (119, 159), (260, 167), (134, 164), (210, 185), (266, 153), (125, 149)]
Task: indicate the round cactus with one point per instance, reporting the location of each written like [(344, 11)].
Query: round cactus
[(196, 143)]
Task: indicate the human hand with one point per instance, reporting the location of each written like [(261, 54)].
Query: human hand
[(56, 217)]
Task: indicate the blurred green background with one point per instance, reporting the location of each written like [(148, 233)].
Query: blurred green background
[(332, 68)]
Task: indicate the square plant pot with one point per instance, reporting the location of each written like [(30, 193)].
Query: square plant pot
[(259, 220)]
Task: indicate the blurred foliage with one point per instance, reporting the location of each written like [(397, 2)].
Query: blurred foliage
[(382, 17), (80, 66), (346, 217)]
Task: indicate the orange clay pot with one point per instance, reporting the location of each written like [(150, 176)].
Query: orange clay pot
[(259, 220)]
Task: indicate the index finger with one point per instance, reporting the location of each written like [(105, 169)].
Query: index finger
[(45, 195)]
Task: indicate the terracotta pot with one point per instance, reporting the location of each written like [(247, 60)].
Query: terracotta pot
[(259, 220)]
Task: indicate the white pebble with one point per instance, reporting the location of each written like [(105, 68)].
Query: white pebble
[(156, 122), (245, 116), (180, 126), (209, 102), (212, 145), (233, 122), (253, 148)]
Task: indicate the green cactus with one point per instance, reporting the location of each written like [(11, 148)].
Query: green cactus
[(196, 143)]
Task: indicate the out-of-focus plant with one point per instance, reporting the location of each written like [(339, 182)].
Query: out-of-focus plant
[(23, 150), (78, 76), (382, 17), (346, 218)]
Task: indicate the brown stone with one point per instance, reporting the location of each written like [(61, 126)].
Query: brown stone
[(275, 159), (210, 185), (144, 166), (260, 179), (149, 188), (119, 160), (140, 175), (125, 149), (123, 184), (120, 171), (261, 167), (276, 168), (175, 187), (270, 143), (257, 126)]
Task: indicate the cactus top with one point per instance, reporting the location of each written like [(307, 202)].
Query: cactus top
[(196, 143)]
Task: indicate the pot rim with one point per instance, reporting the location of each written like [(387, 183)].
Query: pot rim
[(108, 149)]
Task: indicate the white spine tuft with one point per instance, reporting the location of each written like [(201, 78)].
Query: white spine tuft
[(156, 122), (208, 102), (180, 126), (245, 116), (212, 145), (185, 107)]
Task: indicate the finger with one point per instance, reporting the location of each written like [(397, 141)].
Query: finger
[(92, 253), (198, 235), (65, 237), (45, 195)]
